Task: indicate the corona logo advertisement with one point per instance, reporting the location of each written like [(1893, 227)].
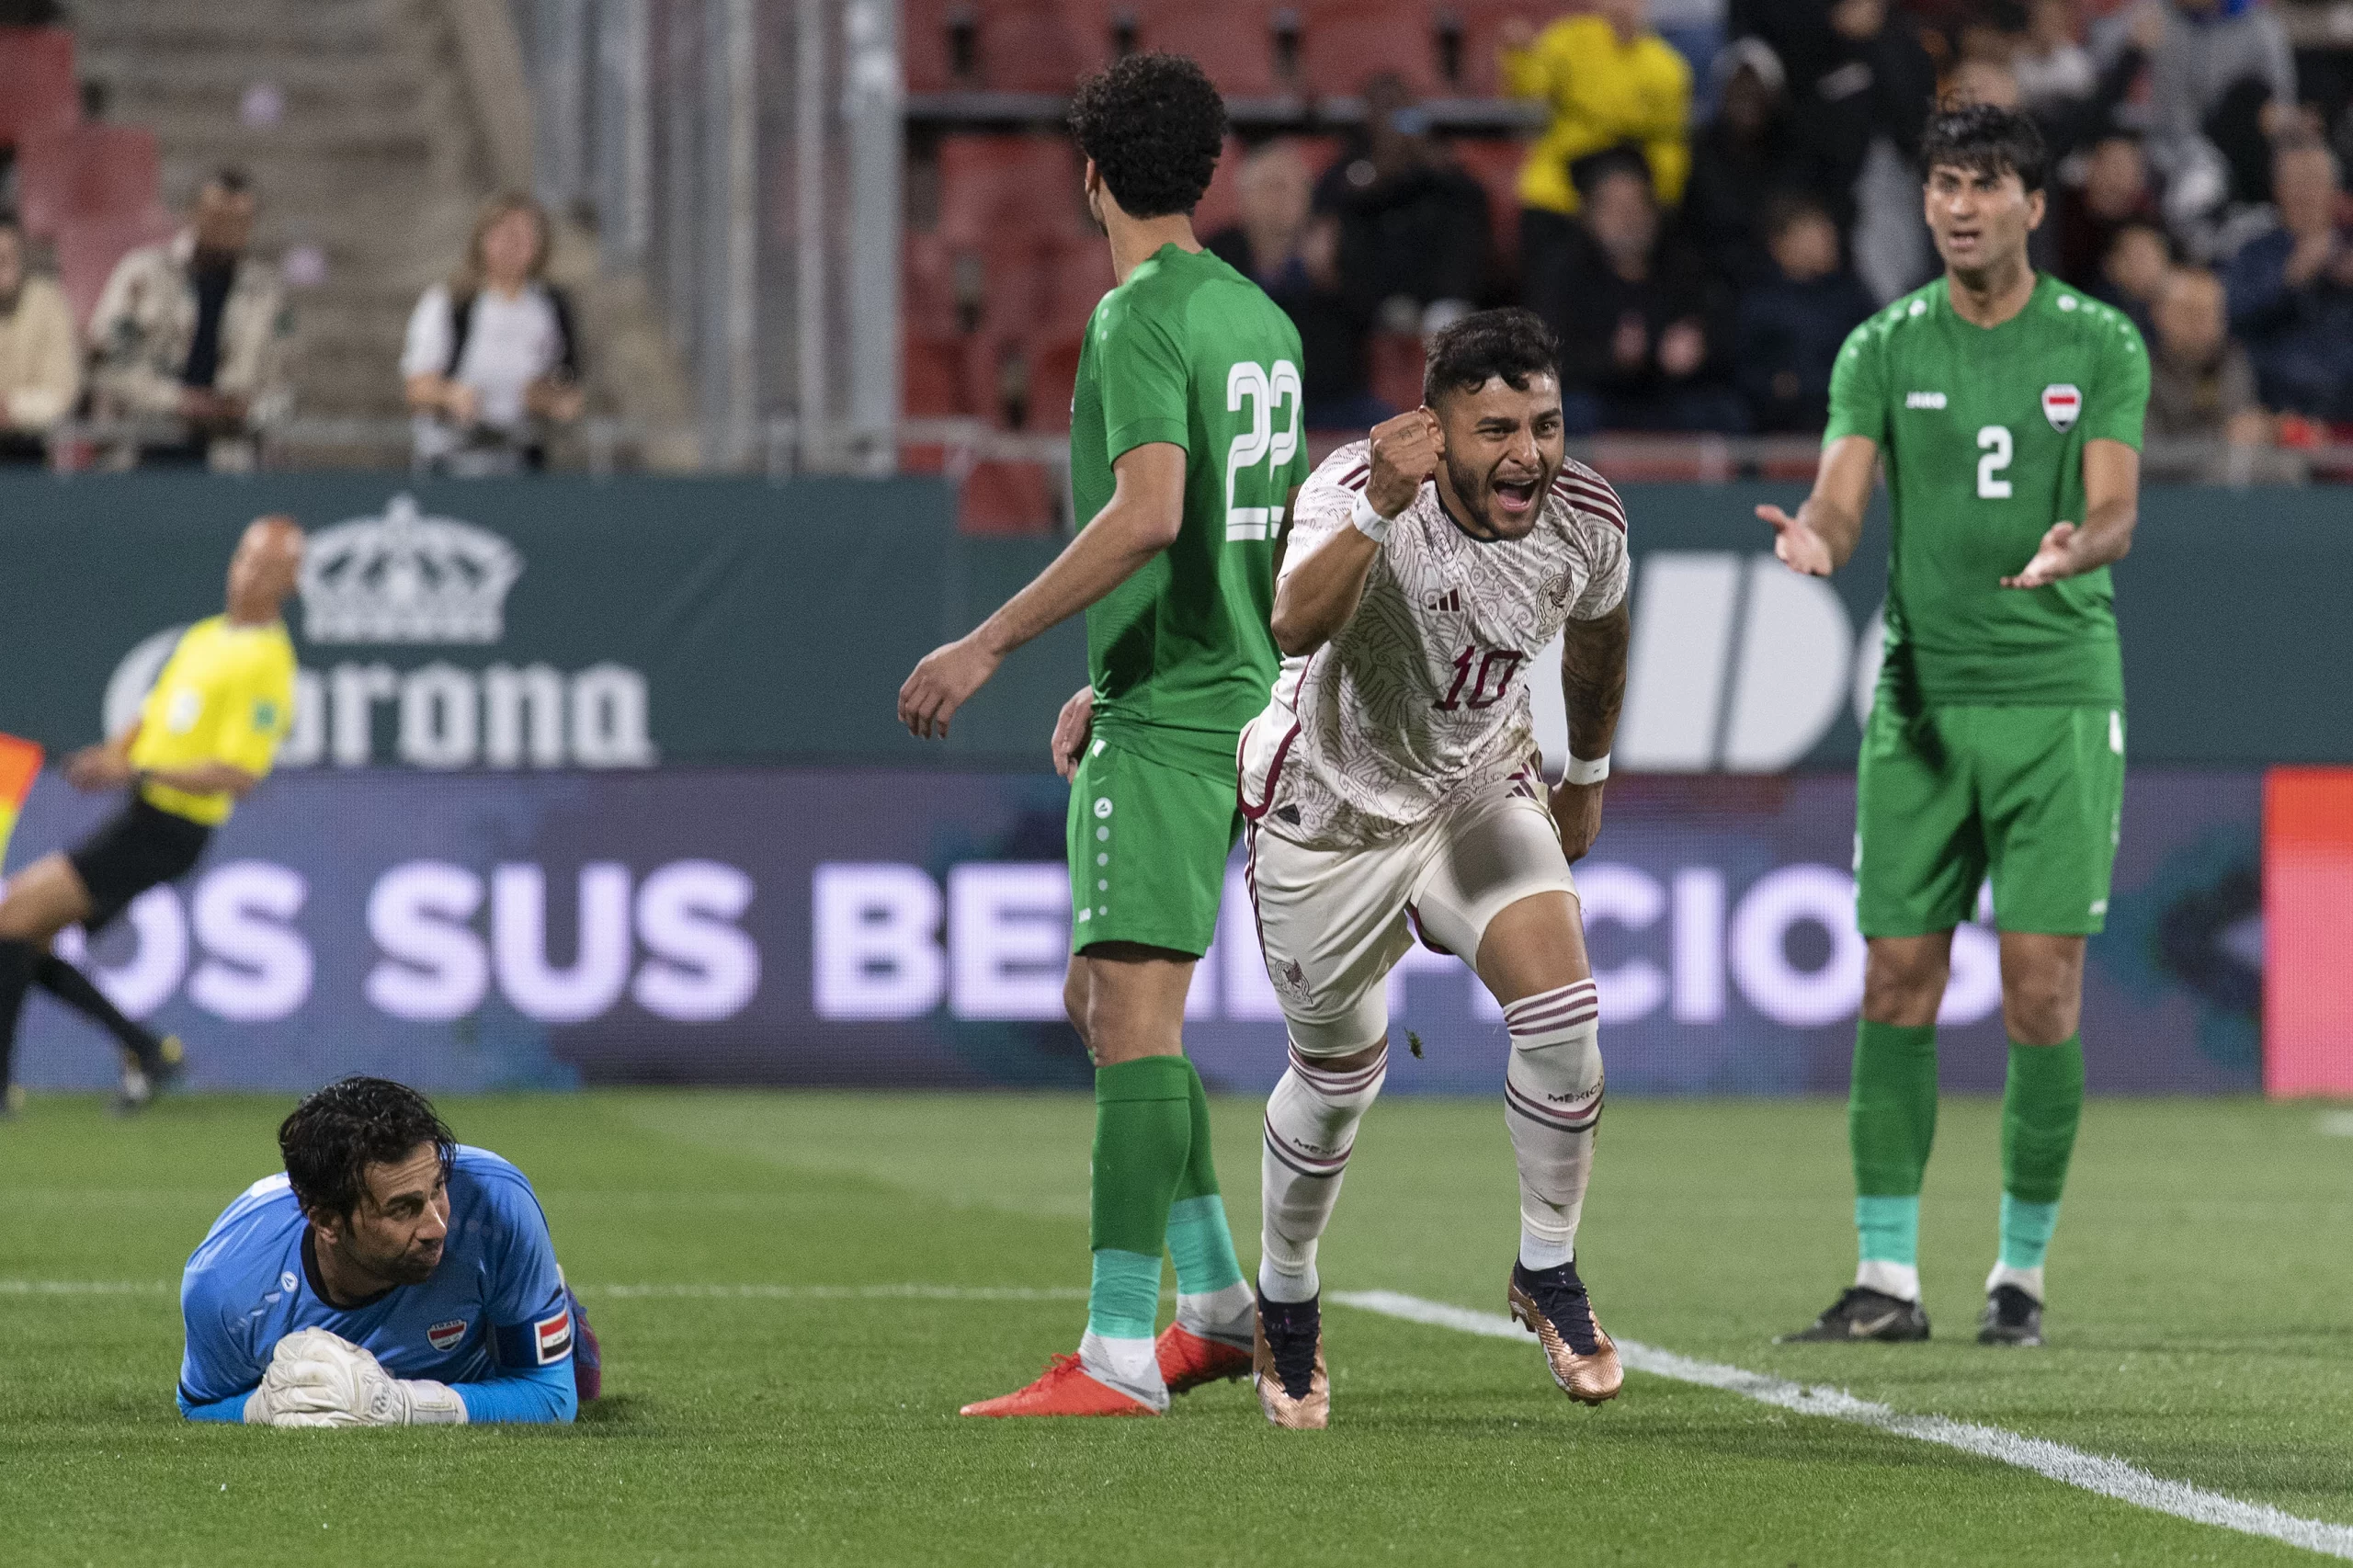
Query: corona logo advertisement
[(406, 577), (401, 579)]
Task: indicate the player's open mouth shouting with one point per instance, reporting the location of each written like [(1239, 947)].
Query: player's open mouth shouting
[(1517, 497)]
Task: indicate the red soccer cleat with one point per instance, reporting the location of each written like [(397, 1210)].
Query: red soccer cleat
[(1063, 1391), (1187, 1361)]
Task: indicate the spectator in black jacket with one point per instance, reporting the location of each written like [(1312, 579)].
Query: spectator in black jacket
[(1745, 156), (1645, 330), (1856, 73), (1294, 254), (1792, 326), (1414, 236), (2292, 290)]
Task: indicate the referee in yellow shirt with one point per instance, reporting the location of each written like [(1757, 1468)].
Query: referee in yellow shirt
[(205, 735)]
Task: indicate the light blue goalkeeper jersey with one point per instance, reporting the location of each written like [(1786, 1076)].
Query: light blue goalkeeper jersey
[(493, 1320)]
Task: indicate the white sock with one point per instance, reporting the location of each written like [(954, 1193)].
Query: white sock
[(1311, 1127), (1900, 1280), (1129, 1364), (2027, 1279), (1538, 1253), (1553, 1092), (1229, 1314)]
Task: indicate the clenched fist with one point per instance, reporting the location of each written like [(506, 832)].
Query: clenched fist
[(1405, 453)]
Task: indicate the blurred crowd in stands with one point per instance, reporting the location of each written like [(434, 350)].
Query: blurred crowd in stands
[(1703, 220), (1711, 194)]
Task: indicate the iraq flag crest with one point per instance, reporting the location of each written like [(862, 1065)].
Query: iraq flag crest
[(2060, 403)]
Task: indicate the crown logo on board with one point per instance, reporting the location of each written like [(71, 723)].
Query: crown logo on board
[(406, 577)]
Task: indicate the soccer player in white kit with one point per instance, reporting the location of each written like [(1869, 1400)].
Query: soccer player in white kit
[(1392, 789)]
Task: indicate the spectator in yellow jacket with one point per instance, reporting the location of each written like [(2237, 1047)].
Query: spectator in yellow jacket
[(1607, 79)]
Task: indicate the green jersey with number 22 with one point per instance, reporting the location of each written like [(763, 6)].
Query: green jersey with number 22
[(1983, 432), (1189, 352)]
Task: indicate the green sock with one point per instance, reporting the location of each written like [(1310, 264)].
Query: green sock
[(1891, 1125), (2043, 1104), (1199, 1237), (1142, 1136), (1888, 1229)]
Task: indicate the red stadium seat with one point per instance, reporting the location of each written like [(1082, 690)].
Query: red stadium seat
[(1053, 375), (1347, 41), (933, 379), (1023, 46), (1007, 498), (1236, 44), (37, 88), (76, 174), (992, 186), (88, 249)]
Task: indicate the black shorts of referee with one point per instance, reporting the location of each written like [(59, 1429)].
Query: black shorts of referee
[(140, 847)]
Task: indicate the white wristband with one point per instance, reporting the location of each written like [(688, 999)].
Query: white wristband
[(1580, 771), (1367, 522)]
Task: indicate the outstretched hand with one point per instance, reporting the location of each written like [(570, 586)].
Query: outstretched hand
[(2055, 559), (1797, 546)]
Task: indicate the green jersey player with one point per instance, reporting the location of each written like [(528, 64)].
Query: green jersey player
[(2007, 408), (1186, 454)]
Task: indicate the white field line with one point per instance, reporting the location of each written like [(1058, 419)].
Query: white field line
[(2094, 1472)]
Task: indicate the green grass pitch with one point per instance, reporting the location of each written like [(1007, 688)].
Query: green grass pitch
[(2202, 1283)]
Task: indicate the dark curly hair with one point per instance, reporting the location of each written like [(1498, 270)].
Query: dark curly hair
[(1155, 127), (1510, 342), (1985, 139), (333, 1136)]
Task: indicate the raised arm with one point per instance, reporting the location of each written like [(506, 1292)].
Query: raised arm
[(1322, 592), (2111, 506), (1145, 514), (1818, 541)]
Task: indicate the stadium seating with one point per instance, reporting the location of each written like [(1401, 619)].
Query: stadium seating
[(1032, 45), (94, 192), (37, 87)]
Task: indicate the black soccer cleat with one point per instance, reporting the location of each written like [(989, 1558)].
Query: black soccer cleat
[(1551, 1304), (149, 1073), (2012, 1317), (1287, 1365), (1863, 1313)]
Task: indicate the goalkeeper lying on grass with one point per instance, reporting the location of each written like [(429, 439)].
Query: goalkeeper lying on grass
[(388, 1276)]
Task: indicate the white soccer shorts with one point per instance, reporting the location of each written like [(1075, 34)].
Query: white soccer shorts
[(1334, 922)]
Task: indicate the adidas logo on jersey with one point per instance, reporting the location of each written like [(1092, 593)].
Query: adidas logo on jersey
[(1924, 400), (1450, 601)]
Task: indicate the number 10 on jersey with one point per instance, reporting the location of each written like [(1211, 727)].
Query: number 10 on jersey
[(1261, 389)]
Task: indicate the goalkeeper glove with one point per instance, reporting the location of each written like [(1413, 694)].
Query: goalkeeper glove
[(317, 1379)]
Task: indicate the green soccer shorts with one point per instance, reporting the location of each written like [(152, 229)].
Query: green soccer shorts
[(1148, 846), (2033, 795)]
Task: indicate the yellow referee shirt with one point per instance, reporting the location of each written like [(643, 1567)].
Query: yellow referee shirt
[(227, 695), (1601, 91)]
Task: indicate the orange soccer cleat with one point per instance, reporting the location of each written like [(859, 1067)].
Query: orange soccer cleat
[(1187, 1361), (1064, 1390)]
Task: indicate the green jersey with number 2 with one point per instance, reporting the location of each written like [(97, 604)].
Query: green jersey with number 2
[(1983, 432), (1189, 352)]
